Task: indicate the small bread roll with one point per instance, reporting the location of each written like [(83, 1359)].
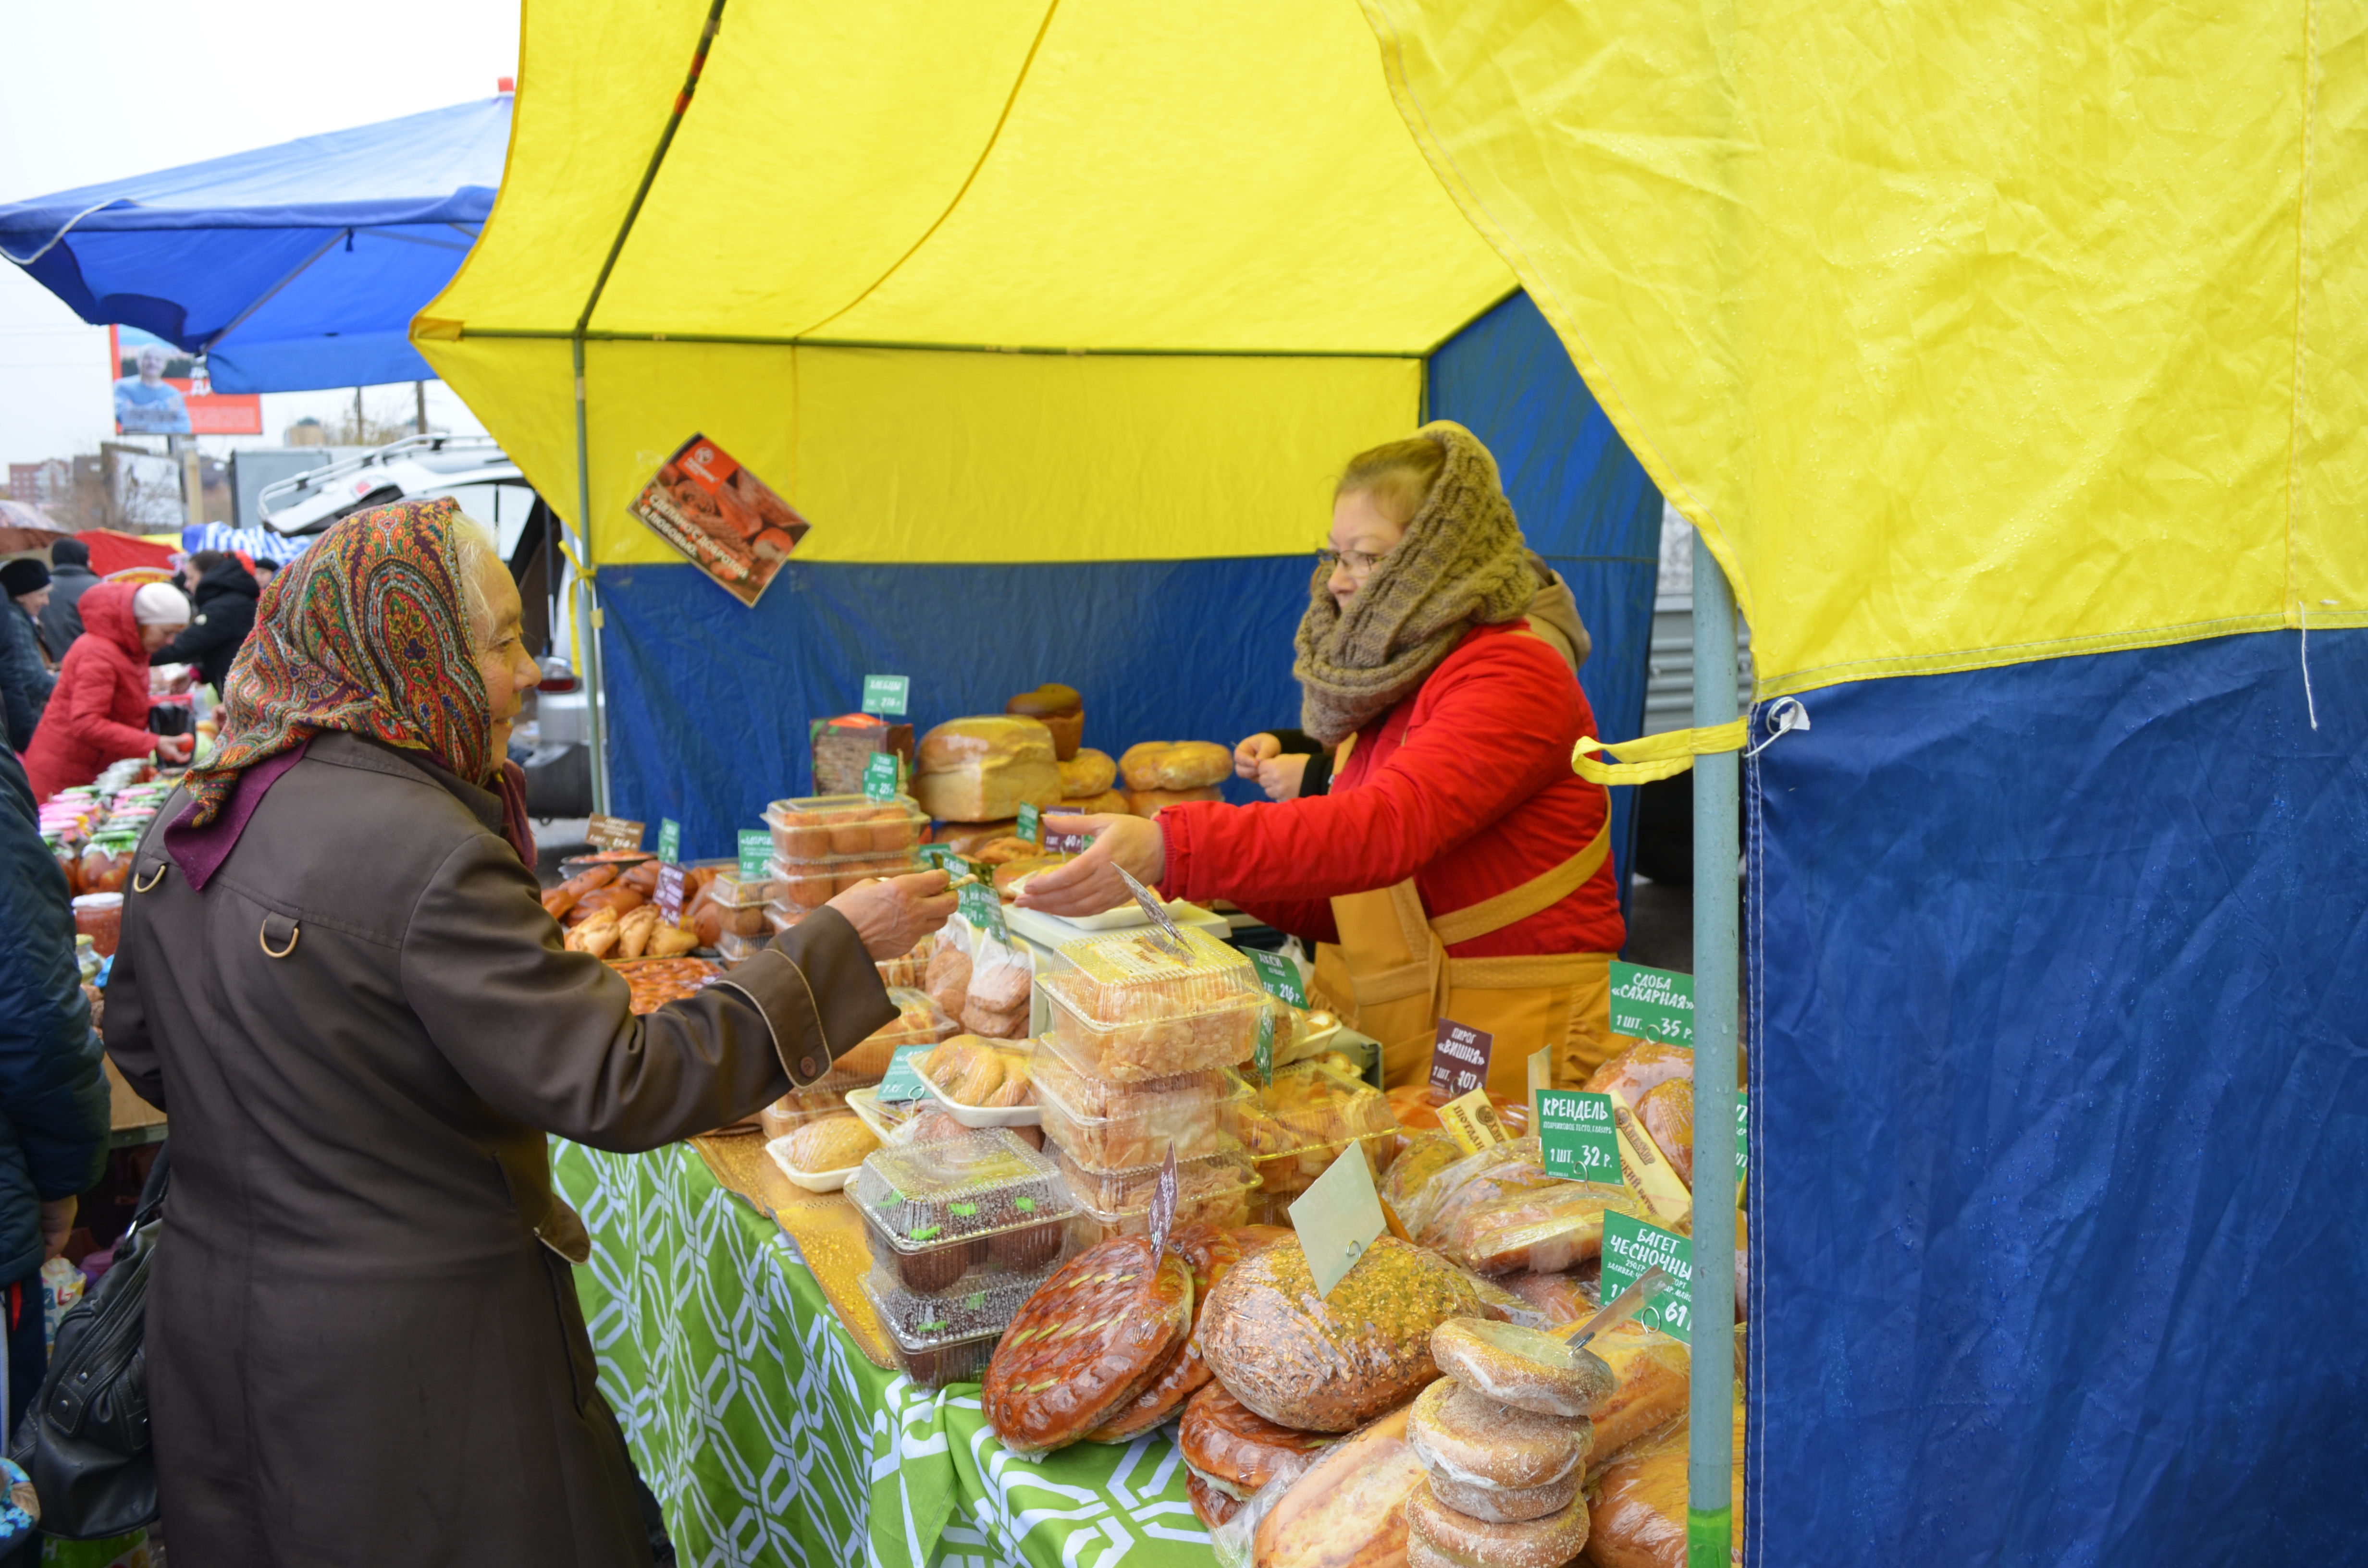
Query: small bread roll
[(829, 1143), (1088, 774), (1176, 764), (1109, 802), (1003, 851), (1149, 802)]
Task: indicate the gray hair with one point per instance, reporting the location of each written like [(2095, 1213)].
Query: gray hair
[(475, 553)]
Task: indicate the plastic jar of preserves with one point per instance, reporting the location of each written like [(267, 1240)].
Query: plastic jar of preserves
[(99, 917)]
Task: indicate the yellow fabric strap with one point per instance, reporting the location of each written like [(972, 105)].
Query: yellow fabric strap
[(1655, 757)]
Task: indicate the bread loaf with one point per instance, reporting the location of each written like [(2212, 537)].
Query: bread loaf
[(982, 769), (1109, 802), (1176, 764), (1150, 802), (969, 837), (1347, 1510), (844, 746), (1086, 774), (828, 1143), (1060, 710)]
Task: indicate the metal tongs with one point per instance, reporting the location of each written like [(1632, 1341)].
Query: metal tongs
[(1623, 1306), (1163, 930)]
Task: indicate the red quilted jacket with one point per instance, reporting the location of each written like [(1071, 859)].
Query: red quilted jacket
[(1465, 786), (98, 713)]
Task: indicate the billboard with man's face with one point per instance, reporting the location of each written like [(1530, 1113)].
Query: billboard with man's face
[(156, 393)]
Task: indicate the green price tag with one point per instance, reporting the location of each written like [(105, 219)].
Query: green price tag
[(1632, 1246), (1652, 1004), (945, 858), (1280, 976), (903, 1083), (669, 841), (983, 909), (886, 694), (756, 848), (1266, 1048), (1031, 825), (1576, 1131), (880, 779)]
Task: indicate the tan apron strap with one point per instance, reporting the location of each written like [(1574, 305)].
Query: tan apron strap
[(1542, 891), (1518, 972)]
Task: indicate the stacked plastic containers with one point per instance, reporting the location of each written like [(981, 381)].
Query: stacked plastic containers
[(824, 845), (919, 1021), (961, 1232), (743, 901), (1145, 1036), (1295, 1127)]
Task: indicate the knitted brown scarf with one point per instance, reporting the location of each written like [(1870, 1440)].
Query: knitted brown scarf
[(1461, 565)]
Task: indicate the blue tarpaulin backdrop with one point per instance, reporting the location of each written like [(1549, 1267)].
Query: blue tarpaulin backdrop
[(2057, 981), (708, 702), (290, 267)]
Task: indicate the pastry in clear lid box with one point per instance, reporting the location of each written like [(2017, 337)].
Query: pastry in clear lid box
[(934, 1210), (1140, 1003)]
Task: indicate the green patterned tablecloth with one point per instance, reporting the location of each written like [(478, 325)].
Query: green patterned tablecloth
[(771, 1440)]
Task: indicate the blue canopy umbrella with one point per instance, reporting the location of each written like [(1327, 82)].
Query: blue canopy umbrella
[(290, 268)]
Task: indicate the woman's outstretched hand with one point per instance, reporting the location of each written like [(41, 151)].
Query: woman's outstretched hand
[(1255, 753), (1090, 883), (892, 915), (1275, 770)]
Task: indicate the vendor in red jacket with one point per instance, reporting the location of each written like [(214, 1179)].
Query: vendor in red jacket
[(98, 714), (1455, 868)]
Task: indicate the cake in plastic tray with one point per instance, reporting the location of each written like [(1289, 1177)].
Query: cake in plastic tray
[(933, 1359), (1224, 1169), (983, 1306), (810, 887), (827, 827), (1136, 1005), (985, 1200), (1294, 1128), (919, 1021), (1109, 1125), (734, 891), (1225, 1206)]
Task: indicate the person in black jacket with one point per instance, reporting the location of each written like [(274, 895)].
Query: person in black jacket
[(53, 1100), (25, 682), (225, 592), (70, 573)]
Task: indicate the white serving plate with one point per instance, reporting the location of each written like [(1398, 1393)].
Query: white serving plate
[(813, 1181), (983, 1116), (1051, 930)]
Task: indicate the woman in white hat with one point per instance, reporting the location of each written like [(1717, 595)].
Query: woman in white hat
[(98, 712)]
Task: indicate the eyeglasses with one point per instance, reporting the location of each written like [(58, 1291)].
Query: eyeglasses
[(1360, 563)]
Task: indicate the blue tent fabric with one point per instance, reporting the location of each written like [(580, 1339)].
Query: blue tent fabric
[(291, 267), (708, 702), (2059, 1139), (1584, 501)]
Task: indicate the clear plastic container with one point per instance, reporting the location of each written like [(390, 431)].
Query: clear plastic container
[(1134, 1006), (825, 827), (734, 891), (1224, 1168), (810, 887), (919, 1021), (983, 1202), (826, 1096), (734, 949), (1294, 1128), (912, 968), (985, 1305), (934, 1358), (1109, 1125), (778, 918), (1228, 1202)]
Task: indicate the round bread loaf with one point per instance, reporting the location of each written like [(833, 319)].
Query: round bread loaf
[(1211, 1506), (1176, 764), (1234, 1447), (1520, 1367), (1060, 710), (1506, 1504), (1473, 1438), (1088, 774), (1150, 802), (1549, 1542), (1086, 1343)]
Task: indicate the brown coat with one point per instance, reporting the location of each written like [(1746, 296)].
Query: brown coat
[(364, 1345)]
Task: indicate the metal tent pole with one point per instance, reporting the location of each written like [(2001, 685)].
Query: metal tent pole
[(1717, 962), (587, 609)]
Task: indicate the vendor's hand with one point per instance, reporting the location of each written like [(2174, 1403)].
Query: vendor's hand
[(1090, 883), (1254, 754), (1281, 778), (175, 748), (57, 1225), (892, 915)]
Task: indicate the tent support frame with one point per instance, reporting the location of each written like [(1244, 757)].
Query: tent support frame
[(1710, 1513)]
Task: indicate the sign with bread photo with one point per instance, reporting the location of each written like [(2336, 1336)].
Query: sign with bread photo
[(729, 522)]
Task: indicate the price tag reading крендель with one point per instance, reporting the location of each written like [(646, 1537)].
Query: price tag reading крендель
[(1459, 1061), (1578, 1135), (1652, 1004), (1632, 1246), (886, 694)]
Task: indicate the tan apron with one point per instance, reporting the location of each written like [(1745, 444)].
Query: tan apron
[(1390, 977)]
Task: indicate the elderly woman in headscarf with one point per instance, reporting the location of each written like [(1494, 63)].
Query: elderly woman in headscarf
[(336, 975), (1455, 868)]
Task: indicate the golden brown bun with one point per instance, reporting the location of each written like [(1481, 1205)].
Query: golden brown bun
[(1109, 802), (1062, 710), (830, 1143), (967, 838), (1010, 871), (1003, 851), (1148, 802), (1176, 764), (982, 769), (1087, 773)]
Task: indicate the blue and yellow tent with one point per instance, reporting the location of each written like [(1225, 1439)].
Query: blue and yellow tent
[(2008, 360)]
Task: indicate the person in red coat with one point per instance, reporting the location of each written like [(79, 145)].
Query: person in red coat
[(1456, 867), (98, 714)]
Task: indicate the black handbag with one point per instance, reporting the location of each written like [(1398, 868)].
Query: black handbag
[(84, 1440)]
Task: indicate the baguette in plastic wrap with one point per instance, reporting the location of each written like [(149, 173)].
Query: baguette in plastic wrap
[(1638, 1518), (1346, 1509)]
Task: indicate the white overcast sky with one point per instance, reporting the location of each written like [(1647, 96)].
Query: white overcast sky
[(105, 88)]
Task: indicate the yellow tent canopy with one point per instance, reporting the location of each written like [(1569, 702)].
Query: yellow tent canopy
[(967, 282)]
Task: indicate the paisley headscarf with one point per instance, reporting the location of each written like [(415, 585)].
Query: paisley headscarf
[(367, 631)]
